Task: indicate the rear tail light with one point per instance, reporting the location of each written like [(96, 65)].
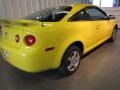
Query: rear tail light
[(17, 38), (29, 40)]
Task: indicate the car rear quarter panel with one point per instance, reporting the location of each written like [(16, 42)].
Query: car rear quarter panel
[(70, 32)]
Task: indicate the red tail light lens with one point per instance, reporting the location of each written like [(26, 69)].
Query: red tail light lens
[(17, 38), (29, 40)]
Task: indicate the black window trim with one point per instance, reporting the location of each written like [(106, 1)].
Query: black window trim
[(94, 7), (69, 20), (84, 9)]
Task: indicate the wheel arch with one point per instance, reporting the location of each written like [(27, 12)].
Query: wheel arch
[(60, 54), (78, 44)]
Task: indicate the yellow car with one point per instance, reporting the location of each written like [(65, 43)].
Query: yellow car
[(55, 38)]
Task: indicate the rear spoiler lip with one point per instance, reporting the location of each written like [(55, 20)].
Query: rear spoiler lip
[(16, 22), (4, 21)]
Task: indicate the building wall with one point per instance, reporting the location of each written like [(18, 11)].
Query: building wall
[(20, 8)]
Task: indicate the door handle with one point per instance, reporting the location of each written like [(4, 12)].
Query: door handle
[(97, 27)]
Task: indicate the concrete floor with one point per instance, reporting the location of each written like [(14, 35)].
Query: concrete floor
[(99, 70)]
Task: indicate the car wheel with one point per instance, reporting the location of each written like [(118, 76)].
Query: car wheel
[(113, 37), (71, 60)]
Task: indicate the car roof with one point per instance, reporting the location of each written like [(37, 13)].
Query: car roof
[(81, 5)]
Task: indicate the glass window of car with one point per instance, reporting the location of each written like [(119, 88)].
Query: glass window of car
[(96, 14), (81, 15), (53, 14)]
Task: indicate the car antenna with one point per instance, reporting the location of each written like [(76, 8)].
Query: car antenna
[(42, 23)]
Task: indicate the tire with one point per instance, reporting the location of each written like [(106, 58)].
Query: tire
[(70, 61), (113, 37)]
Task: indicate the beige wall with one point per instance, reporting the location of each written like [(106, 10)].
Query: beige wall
[(21, 8)]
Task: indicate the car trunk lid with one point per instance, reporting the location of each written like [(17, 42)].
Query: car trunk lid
[(11, 33)]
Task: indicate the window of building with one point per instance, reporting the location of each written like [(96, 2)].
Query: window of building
[(104, 3)]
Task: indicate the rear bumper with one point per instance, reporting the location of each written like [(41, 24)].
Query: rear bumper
[(30, 62)]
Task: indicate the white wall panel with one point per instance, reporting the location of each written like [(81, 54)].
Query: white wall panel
[(15, 8), (35, 5), (29, 6), (8, 8), (23, 8), (40, 4), (44, 3), (2, 13), (20, 8)]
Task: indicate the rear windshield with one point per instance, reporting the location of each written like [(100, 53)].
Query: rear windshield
[(53, 14)]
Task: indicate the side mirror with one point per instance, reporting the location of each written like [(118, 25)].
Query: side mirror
[(111, 17)]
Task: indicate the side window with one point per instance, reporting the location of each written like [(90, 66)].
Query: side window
[(81, 15), (96, 14)]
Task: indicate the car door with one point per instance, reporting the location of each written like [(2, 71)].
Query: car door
[(80, 22), (101, 24)]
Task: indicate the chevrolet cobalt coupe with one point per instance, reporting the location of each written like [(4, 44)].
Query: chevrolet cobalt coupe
[(55, 38)]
